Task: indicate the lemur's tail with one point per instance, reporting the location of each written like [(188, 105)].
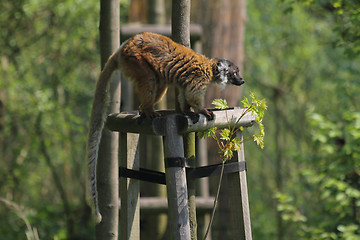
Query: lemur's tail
[(97, 120)]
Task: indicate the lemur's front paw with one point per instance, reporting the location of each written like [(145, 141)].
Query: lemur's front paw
[(141, 118), (208, 114), (149, 115), (153, 115), (193, 116)]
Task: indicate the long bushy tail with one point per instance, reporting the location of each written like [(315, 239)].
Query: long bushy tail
[(97, 119)]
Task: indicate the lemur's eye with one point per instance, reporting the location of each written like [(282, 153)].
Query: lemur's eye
[(235, 73)]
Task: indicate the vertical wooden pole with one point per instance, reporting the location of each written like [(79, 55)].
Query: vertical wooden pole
[(176, 183), (156, 224), (180, 22), (129, 188), (239, 202), (180, 30), (189, 152), (203, 188), (107, 168)]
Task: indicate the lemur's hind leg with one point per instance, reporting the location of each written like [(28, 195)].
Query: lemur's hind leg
[(147, 95), (146, 85), (149, 99), (195, 98)]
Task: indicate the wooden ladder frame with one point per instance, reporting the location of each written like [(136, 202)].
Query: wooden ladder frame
[(172, 126)]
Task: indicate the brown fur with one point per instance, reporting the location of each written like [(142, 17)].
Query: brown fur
[(159, 62)]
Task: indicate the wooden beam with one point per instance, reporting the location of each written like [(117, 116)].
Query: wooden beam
[(129, 122), (157, 205)]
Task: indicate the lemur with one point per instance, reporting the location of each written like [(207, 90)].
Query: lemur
[(153, 62)]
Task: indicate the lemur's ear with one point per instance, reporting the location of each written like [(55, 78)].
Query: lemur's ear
[(224, 63)]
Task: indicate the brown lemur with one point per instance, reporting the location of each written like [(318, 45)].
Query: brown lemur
[(153, 62)]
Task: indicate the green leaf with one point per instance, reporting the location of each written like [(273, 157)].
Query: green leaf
[(220, 103), (245, 102), (337, 4), (225, 134), (211, 132), (236, 143), (259, 140), (227, 153)]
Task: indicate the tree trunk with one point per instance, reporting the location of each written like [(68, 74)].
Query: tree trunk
[(138, 12), (223, 23), (107, 173), (226, 40)]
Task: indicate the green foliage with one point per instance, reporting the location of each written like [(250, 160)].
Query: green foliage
[(292, 62), (31, 233), (288, 210), (211, 132), (257, 108), (345, 19), (333, 185), (124, 13), (49, 65), (227, 141), (335, 220)]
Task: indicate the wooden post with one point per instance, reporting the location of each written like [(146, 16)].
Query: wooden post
[(176, 182), (107, 173), (203, 189), (129, 188), (189, 152), (239, 203), (154, 146), (180, 24)]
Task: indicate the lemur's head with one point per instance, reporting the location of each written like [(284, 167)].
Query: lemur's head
[(227, 73)]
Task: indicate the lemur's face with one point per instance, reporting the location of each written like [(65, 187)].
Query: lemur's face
[(229, 73)]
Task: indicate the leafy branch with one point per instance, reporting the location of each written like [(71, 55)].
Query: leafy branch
[(227, 140)]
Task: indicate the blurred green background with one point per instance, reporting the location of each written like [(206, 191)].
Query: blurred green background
[(302, 56)]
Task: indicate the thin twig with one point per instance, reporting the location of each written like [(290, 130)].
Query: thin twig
[(215, 201)]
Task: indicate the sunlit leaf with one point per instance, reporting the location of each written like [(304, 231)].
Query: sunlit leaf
[(220, 103), (225, 134), (236, 143)]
